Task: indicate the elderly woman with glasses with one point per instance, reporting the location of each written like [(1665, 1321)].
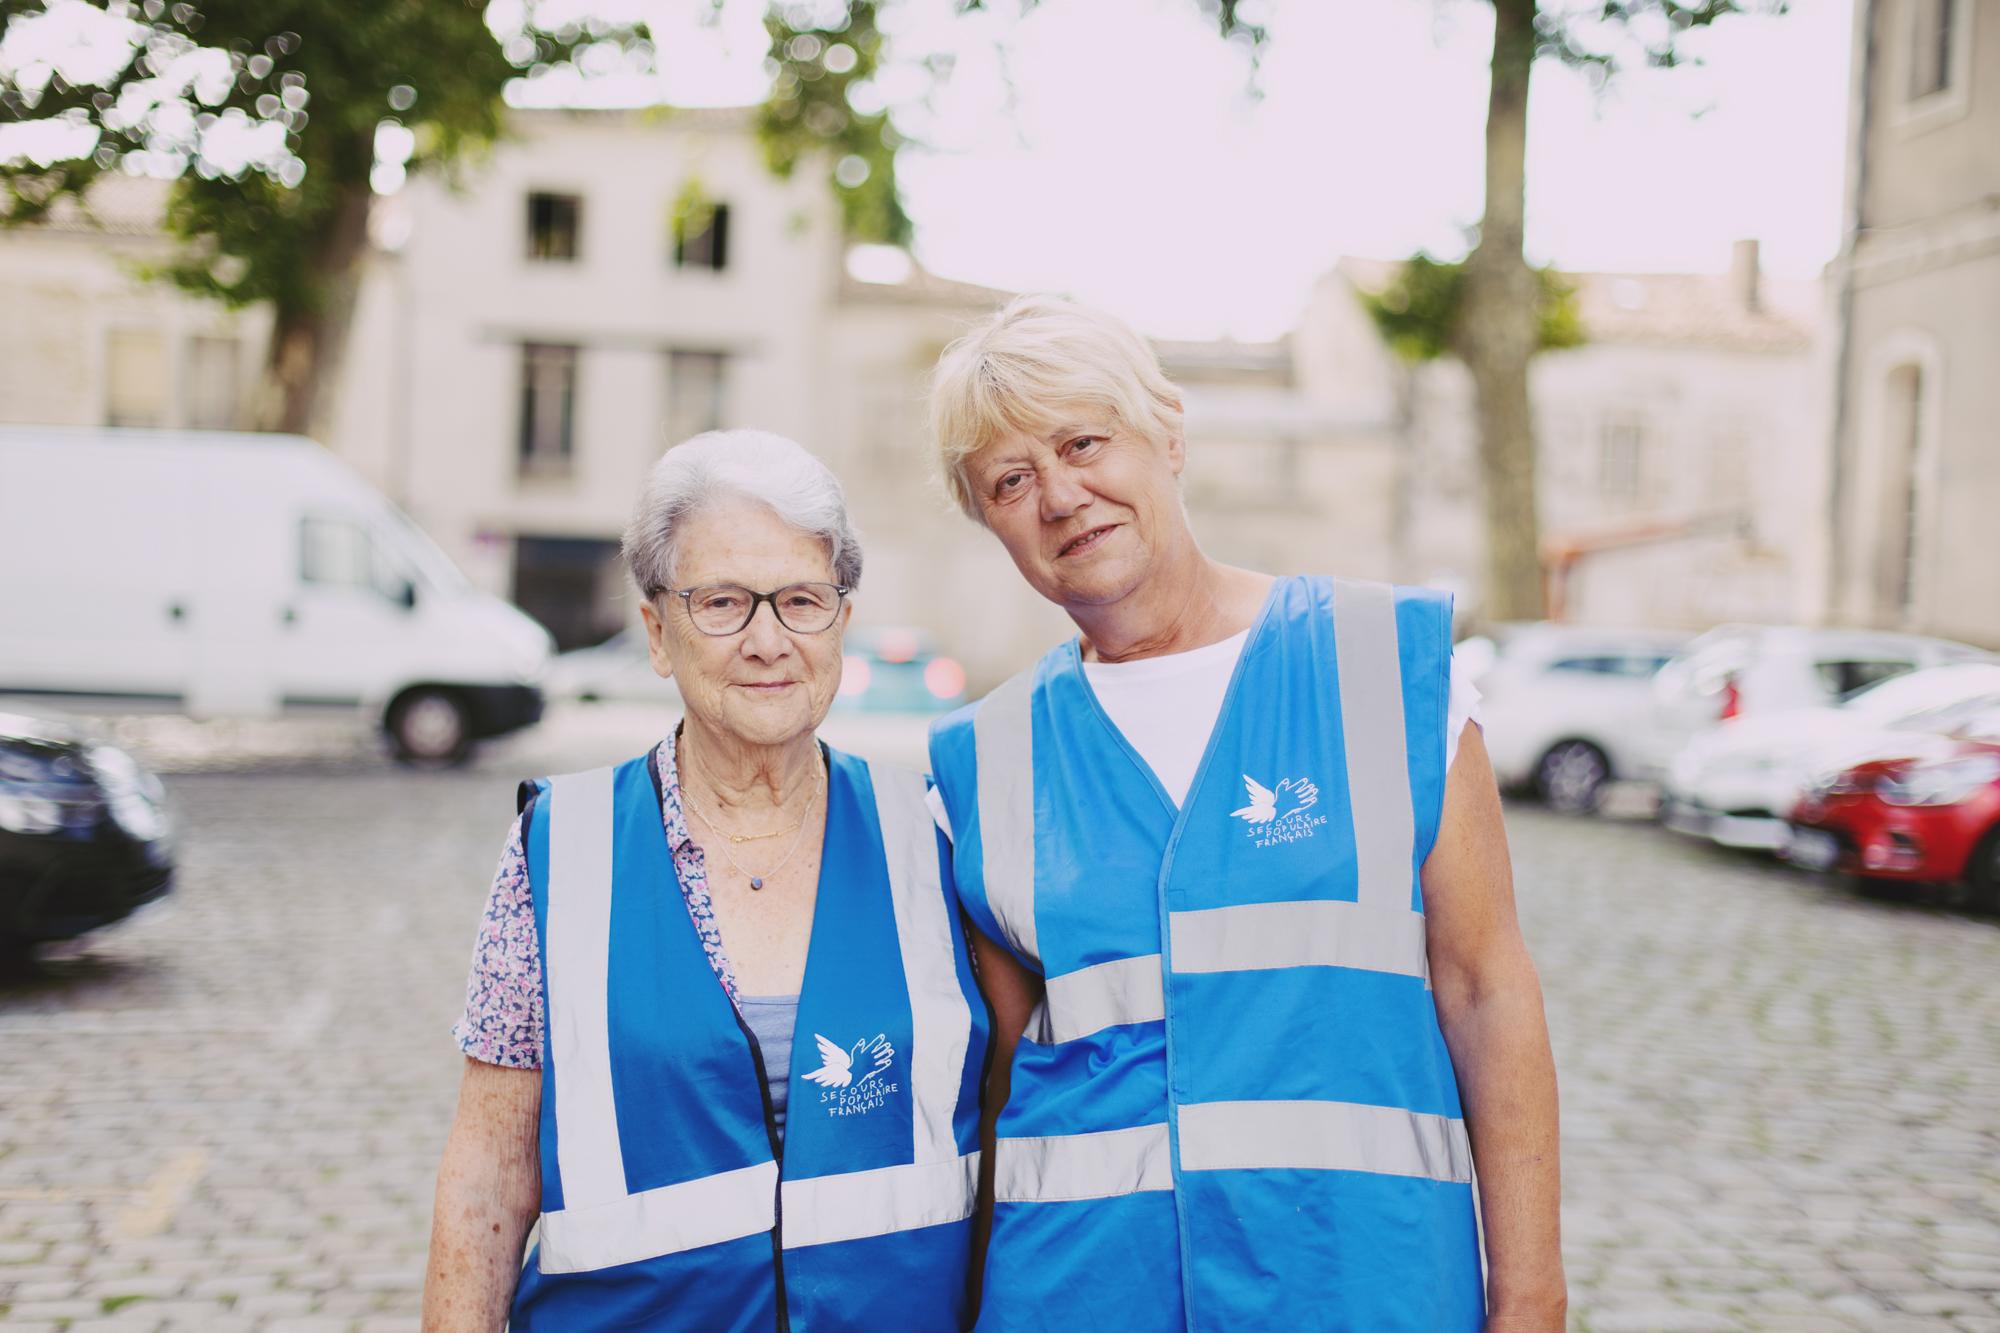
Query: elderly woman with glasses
[(721, 1034), (1264, 1020)]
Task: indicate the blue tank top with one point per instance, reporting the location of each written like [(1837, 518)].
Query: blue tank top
[(772, 1018)]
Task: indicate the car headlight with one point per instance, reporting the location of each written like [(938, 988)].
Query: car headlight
[(1945, 783), (1845, 783), (135, 798)]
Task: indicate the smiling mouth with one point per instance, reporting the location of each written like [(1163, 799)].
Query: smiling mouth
[(766, 686), (1087, 541)]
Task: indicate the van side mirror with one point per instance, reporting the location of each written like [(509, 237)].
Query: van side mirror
[(406, 595)]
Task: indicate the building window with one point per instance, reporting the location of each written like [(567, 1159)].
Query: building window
[(575, 586), (135, 378), (707, 248), (548, 408), (696, 382), (1933, 31), (1896, 562), (211, 383), (552, 226), (1621, 447), (1728, 479)]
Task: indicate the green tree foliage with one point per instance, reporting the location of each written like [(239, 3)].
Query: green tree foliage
[(1417, 311), (181, 87), (821, 57)]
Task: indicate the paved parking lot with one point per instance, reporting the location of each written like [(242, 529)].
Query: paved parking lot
[(1781, 1101)]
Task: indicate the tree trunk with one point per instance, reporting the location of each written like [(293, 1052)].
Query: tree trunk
[(1497, 330), (309, 340)]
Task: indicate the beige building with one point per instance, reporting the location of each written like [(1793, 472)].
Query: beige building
[(1915, 482), (1679, 450), (529, 341), (109, 348)]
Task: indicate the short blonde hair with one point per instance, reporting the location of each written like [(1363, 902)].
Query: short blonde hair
[(1029, 364)]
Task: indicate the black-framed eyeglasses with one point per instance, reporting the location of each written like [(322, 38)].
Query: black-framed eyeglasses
[(725, 608)]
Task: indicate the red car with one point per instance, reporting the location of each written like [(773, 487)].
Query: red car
[(1929, 820)]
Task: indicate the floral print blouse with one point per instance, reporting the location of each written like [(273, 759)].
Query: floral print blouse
[(503, 1020)]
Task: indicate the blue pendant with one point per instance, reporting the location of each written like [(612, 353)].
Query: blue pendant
[(756, 882)]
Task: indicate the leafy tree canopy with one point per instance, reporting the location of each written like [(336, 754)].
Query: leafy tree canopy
[(266, 111), (1418, 311)]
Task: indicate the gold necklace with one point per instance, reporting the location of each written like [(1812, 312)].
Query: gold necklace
[(798, 840), (687, 799), (687, 760)]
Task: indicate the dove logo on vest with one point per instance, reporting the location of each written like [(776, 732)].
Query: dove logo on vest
[(1281, 814), (849, 1078)]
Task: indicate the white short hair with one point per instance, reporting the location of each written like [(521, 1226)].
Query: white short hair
[(1031, 363), (752, 465)]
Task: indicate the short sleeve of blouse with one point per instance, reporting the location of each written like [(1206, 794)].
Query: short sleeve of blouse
[(503, 1021)]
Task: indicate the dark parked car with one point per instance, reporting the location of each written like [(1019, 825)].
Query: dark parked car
[(85, 838)]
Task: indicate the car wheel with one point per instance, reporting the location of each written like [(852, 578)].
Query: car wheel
[(1571, 776), (1982, 874), (430, 726)]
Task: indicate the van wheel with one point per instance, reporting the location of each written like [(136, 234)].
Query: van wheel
[(430, 726), (1571, 776)]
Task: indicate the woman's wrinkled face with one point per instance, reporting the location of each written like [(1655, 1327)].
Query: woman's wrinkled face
[(1084, 508), (764, 684)]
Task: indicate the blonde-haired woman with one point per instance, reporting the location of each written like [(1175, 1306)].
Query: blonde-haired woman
[(721, 1034), (1242, 901)]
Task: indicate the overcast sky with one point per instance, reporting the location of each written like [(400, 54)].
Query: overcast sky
[(1110, 148), (1114, 149)]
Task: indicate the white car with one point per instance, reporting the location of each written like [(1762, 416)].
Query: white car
[(1735, 783), (1562, 706), (1739, 671), (619, 670)]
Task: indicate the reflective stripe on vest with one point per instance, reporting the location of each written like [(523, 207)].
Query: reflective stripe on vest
[(1090, 999), (1063, 1167), (941, 1018), (822, 1209), (1370, 670), (1323, 1136), (601, 1223), (725, 1206), (1004, 736), (1234, 1136), (1258, 936), (578, 963)]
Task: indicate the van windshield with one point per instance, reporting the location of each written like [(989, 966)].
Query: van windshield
[(427, 560)]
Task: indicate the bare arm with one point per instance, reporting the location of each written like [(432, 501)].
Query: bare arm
[(1013, 991), (488, 1191), (1489, 1003)]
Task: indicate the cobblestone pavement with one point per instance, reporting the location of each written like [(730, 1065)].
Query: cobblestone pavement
[(1780, 1100)]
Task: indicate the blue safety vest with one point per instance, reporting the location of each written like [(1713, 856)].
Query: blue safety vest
[(665, 1201), (1234, 1109)]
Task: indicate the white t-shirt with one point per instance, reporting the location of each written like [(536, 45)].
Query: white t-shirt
[(1167, 706)]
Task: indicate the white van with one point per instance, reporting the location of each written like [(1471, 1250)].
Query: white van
[(237, 575)]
